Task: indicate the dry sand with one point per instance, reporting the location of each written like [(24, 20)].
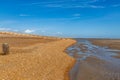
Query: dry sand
[(35, 58)]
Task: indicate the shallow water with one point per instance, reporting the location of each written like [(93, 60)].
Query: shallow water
[(84, 49)]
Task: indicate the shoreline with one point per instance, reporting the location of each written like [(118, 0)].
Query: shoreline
[(93, 62), (72, 64), (36, 58)]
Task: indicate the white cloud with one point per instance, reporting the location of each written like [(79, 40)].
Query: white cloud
[(23, 15), (69, 4), (4, 29), (60, 33), (9, 29), (94, 6), (29, 31), (64, 2)]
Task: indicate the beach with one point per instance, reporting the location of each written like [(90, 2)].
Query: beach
[(35, 58)]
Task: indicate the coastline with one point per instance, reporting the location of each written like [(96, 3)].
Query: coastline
[(45, 60), (67, 76), (94, 62)]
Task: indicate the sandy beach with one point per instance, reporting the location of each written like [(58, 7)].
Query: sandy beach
[(35, 58)]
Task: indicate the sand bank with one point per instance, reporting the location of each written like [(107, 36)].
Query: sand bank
[(93, 62), (111, 43), (35, 58)]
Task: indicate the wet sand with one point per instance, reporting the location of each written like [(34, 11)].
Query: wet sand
[(110, 43), (94, 62), (35, 58)]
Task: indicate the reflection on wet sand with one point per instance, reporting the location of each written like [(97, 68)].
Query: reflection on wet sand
[(94, 62)]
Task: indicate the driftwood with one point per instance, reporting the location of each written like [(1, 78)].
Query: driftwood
[(5, 48)]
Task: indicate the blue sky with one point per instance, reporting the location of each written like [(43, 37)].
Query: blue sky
[(66, 18)]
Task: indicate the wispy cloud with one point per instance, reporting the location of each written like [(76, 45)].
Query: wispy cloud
[(23, 15), (4, 29), (94, 6), (77, 15), (65, 18), (2, 22), (116, 5), (68, 4), (47, 2), (72, 6)]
